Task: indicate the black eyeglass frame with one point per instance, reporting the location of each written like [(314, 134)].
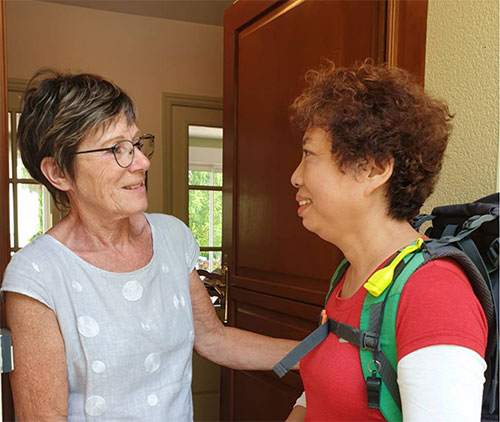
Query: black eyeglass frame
[(136, 144)]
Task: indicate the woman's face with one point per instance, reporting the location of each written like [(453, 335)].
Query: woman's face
[(100, 187), (327, 196)]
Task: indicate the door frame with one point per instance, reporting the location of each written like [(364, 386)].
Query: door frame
[(170, 101), (7, 405)]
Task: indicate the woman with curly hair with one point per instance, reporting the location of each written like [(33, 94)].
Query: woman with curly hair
[(373, 146)]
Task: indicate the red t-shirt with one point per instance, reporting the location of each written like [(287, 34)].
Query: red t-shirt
[(437, 306)]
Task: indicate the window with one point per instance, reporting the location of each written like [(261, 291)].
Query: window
[(205, 193), (29, 201)]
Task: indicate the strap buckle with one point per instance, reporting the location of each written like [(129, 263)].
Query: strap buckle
[(476, 220), (369, 341)]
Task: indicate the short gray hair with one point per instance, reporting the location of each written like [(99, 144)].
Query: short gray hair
[(59, 111)]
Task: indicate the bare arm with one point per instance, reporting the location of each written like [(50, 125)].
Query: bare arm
[(39, 380), (228, 346), (298, 414)]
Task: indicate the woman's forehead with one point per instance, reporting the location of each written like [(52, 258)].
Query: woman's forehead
[(116, 129)]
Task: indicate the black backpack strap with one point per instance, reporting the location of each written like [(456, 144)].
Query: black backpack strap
[(317, 336), (486, 294), (302, 349), (436, 249)]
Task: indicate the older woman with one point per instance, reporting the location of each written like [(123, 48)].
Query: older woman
[(101, 306), (373, 146)]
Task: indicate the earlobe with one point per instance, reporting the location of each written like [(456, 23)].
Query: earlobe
[(54, 174)]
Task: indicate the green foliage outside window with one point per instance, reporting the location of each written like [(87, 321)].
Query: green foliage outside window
[(34, 189), (199, 208)]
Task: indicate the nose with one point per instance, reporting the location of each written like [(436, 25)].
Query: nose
[(140, 161), (296, 178)]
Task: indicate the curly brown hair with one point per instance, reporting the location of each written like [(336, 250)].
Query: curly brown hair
[(381, 113)]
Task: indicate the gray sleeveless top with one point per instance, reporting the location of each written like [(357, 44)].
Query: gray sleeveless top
[(128, 336)]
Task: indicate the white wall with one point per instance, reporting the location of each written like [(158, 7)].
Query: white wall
[(462, 67), (145, 56)]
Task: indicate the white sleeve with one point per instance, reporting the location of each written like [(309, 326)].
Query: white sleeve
[(441, 383), (301, 401)]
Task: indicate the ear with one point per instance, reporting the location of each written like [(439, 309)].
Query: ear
[(57, 177), (376, 175)]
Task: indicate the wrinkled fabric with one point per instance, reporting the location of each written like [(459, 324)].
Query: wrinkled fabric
[(128, 336)]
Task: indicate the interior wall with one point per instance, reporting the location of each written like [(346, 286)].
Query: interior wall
[(145, 56), (462, 67)]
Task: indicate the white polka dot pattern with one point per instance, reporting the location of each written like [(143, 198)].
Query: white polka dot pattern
[(35, 267), (95, 406), (179, 301), (88, 326), (152, 362), (132, 290), (98, 367), (145, 326), (77, 287), (191, 335), (152, 400), (165, 268)]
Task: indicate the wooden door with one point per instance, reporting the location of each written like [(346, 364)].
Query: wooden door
[(5, 395), (278, 271)]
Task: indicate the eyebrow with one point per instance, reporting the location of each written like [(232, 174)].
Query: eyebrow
[(121, 138), (305, 140)]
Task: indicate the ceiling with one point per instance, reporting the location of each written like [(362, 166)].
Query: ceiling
[(200, 11)]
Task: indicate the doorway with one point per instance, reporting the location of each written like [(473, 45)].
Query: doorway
[(193, 193)]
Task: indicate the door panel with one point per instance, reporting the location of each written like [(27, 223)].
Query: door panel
[(273, 54), (278, 271), (274, 317)]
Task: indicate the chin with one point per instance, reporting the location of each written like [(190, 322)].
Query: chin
[(135, 210)]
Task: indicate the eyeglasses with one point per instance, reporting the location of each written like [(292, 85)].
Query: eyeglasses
[(124, 150)]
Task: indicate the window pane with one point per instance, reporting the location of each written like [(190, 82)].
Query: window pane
[(29, 212), (22, 172), (205, 156), (9, 124), (200, 178), (205, 216), (11, 214), (209, 261), (204, 178)]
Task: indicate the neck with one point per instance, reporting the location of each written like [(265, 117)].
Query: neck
[(367, 249), (79, 230)]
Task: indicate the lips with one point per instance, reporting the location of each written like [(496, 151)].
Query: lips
[(131, 187), (303, 204)]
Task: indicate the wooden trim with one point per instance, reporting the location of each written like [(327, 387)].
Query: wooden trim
[(406, 35), (4, 152), (169, 101), (392, 32), (7, 402)]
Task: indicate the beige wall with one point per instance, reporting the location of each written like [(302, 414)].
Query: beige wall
[(148, 56), (462, 67), (145, 56)]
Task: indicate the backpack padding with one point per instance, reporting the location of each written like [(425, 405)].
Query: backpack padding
[(435, 250), (486, 205)]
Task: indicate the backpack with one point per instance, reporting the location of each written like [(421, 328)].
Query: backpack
[(467, 233)]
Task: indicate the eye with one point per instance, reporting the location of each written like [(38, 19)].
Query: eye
[(139, 144), (118, 148), (306, 152)]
